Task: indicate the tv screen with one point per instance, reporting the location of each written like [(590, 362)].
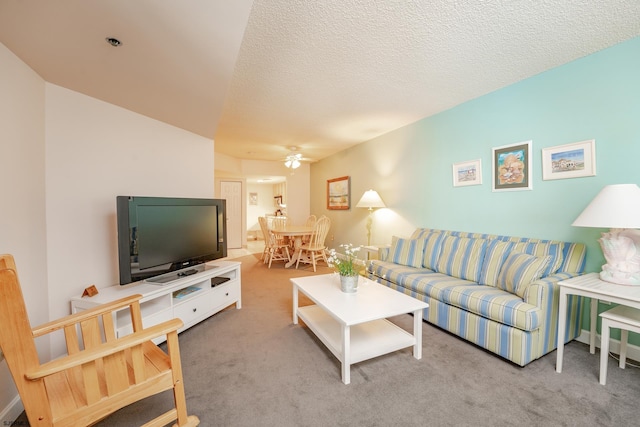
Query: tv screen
[(159, 235)]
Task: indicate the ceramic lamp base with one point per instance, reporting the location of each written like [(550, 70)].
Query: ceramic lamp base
[(621, 249)]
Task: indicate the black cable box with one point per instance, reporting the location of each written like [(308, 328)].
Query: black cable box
[(215, 281)]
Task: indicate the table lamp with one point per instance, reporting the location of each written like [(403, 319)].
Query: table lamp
[(370, 200), (617, 207)]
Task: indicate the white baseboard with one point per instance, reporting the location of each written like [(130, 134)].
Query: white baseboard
[(11, 412), (633, 351)]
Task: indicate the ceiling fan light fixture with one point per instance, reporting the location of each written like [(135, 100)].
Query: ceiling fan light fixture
[(293, 160)]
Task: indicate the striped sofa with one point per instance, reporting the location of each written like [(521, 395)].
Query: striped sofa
[(498, 292)]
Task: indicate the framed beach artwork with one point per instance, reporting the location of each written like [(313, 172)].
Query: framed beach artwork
[(574, 160), (338, 196), (467, 173), (511, 167)]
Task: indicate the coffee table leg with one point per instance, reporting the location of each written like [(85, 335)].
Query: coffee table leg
[(346, 354), (417, 334)]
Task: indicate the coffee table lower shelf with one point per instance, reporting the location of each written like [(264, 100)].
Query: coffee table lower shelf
[(364, 340)]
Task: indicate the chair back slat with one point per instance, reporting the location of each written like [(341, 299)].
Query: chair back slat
[(91, 381), (116, 373), (71, 338), (108, 327)]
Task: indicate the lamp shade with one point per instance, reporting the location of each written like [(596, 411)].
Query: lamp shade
[(370, 199), (615, 206)]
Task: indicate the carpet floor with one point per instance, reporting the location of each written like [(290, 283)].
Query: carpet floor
[(253, 367)]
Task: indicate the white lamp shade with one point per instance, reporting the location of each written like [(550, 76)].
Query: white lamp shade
[(370, 199), (615, 206)]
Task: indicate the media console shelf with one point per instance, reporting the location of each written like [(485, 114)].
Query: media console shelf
[(192, 298)]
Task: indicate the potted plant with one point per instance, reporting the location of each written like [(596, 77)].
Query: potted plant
[(346, 266)]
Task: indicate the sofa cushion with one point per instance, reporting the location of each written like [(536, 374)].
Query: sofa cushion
[(541, 249), (494, 255), (407, 251), (461, 257), (432, 249), (485, 301), (520, 269), (395, 273)]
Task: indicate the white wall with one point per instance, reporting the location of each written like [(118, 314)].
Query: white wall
[(22, 212), (265, 205), (95, 152)]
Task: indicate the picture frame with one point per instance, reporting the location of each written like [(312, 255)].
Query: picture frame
[(253, 198), (575, 160), (467, 173), (511, 167), (338, 193)]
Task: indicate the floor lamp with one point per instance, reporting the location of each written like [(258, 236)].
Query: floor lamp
[(370, 200)]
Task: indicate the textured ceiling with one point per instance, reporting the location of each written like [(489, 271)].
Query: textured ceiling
[(261, 76)]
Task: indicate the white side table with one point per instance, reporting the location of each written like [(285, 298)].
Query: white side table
[(624, 318), (590, 285), (371, 251)]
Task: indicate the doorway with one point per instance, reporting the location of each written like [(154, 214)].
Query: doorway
[(232, 192)]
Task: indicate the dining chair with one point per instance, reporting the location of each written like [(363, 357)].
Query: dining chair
[(100, 372), (275, 248), (310, 222), (264, 227), (315, 249)]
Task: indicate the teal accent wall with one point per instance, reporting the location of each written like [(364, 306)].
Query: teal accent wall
[(595, 97)]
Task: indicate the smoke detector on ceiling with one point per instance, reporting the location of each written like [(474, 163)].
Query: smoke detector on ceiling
[(113, 41)]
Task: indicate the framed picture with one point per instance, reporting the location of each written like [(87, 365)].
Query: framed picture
[(253, 198), (467, 173), (338, 196), (574, 160), (511, 167)]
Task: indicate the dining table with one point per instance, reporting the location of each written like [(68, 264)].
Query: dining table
[(296, 232)]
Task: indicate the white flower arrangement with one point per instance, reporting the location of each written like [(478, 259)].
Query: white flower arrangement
[(347, 264)]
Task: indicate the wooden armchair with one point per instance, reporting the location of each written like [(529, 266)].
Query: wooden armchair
[(100, 374)]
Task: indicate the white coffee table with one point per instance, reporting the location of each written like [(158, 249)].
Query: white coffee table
[(354, 326)]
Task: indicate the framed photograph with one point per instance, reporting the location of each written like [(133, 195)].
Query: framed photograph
[(574, 160), (253, 198), (338, 196), (511, 167), (467, 173)]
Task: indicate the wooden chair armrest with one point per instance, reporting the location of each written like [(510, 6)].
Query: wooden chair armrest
[(104, 349), (84, 315)]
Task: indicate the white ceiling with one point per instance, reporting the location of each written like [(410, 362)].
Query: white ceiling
[(260, 76)]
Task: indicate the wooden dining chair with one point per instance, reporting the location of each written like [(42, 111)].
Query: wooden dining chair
[(310, 222), (264, 227), (275, 249), (100, 373), (315, 249)]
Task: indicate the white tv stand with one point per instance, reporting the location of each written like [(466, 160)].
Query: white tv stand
[(162, 301)]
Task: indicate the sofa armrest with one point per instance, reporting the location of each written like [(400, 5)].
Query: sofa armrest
[(539, 292), (383, 252)]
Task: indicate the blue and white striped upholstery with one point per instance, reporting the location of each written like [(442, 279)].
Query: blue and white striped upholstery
[(520, 326), (407, 251), (519, 269)]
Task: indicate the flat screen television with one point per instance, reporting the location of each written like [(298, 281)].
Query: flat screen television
[(160, 235)]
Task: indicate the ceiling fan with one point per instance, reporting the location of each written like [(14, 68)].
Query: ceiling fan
[(292, 161)]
